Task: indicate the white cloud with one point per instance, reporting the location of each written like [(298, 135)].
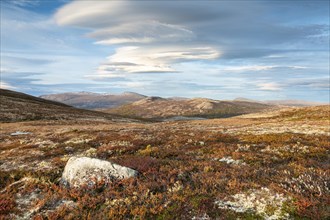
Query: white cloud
[(4, 69), (89, 13), (131, 85), (249, 68), (148, 41), (125, 40), (25, 2), (260, 68), (269, 86), (146, 31), (298, 67), (4, 85), (33, 43), (164, 33), (133, 59)]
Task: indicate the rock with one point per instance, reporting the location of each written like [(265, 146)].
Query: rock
[(85, 171)]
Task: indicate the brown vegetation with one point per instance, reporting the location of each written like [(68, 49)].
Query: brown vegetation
[(188, 169)]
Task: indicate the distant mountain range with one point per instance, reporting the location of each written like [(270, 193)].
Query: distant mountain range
[(294, 103), (160, 108), (88, 100), (93, 101), (16, 106)]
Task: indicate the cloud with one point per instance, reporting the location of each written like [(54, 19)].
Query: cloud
[(310, 83), (249, 68), (269, 86), (146, 34), (4, 85), (133, 59), (23, 3), (305, 83), (30, 82), (141, 32), (24, 60), (147, 40), (156, 35), (256, 68), (35, 51), (14, 79), (27, 32)]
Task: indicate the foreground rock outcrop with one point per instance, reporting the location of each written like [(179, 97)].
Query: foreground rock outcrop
[(85, 171)]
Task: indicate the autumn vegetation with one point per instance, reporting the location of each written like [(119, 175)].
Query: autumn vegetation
[(247, 168)]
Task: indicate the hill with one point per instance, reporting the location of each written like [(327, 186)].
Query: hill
[(297, 103), (156, 107), (310, 113), (294, 103), (88, 100), (16, 106)]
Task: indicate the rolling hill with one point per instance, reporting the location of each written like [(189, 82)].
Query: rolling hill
[(292, 103), (16, 106), (156, 107), (88, 100)]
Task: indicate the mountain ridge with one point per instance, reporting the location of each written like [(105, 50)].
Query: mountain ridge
[(17, 106), (287, 102), (95, 101), (162, 108), (87, 100)]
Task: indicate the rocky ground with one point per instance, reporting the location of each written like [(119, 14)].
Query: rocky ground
[(272, 165)]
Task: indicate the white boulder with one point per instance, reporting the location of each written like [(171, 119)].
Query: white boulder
[(85, 171)]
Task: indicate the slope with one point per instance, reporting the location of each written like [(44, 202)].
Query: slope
[(156, 107), (16, 106), (88, 100)]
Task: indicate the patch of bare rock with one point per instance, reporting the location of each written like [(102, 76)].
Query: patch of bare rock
[(85, 171)]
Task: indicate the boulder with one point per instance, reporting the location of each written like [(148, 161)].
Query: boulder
[(85, 171)]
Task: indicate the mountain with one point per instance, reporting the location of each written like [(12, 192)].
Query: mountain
[(245, 100), (89, 100), (157, 107), (16, 106), (294, 103), (297, 103)]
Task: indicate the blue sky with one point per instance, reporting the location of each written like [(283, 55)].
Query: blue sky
[(263, 50)]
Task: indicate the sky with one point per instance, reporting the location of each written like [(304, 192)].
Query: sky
[(256, 49)]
